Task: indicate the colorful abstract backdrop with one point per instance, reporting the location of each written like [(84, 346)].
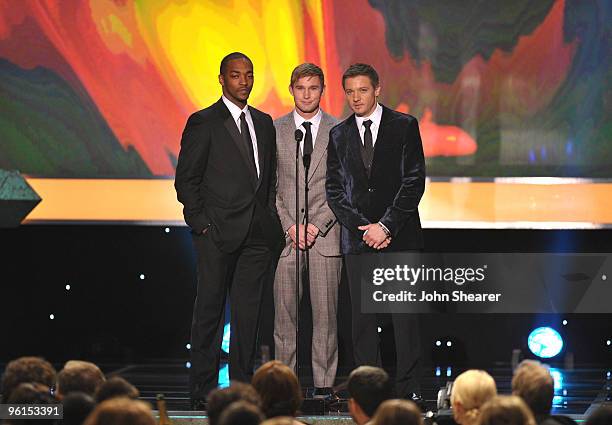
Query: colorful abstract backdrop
[(102, 88)]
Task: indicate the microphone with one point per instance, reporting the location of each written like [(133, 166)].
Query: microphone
[(298, 136), (305, 155)]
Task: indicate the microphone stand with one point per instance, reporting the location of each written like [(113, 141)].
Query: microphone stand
[(298, 138)]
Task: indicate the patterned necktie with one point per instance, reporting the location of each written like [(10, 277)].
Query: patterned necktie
[(368, 145), (246, 136), (307, 150)]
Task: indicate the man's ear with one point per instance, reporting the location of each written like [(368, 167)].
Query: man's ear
[(221, 80), (377, 91), (291, 90)]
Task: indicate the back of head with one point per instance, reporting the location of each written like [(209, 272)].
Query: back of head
[(31, 393), (279, 420), (369, 386), (77, 406), (506, 410), (397, 412), (241, 413), (535, 385), (221, 398), (278, 388), (602, 416), (471, 390), (81, 376), (121, 411), (26, 369), (116, 387)]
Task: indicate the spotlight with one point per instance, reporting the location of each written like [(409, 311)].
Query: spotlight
[(188, 346), (379, 329), (449, 344), (564, 322), (167, 230), (608, 342), (438, 371), (545, 342), (604, 277), (188, 365), (142, 277), (52, 316), (438, 343), (67, 287), (449, 372)]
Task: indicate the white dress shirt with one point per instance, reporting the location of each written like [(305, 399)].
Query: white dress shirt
[(314, 128), (375, 117), (236, 111)]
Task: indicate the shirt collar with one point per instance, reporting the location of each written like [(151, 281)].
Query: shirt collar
[(298, 119), (375, 117), (234, 109)]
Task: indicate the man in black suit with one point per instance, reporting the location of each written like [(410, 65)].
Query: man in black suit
[(375, 180), (226, 180)]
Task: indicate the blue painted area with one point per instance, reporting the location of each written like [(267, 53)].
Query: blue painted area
[(225, 343), (545, 342), (224, 379)]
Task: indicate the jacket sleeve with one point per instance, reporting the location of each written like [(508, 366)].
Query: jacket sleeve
[(409, 195), (337, 197), (273, 171), (190, 169)]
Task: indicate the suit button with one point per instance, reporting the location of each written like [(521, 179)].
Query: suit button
[(370, 189), (302, 209)]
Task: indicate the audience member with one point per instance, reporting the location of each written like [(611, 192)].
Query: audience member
[(116, 387), (368, 387), (470, 391), (31, 393), (77, 407), (279, 389), (78, 375), (241, 413), (26, 369), (121, 411), (397, 412), (602, 416), (506, 410), (221, 398)]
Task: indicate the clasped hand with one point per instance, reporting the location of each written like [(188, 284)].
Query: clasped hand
[(308, 235), (374, 236)]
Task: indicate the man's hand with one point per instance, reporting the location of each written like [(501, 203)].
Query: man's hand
[(206, 229), (374, 236), (313, 232), (303, 236)]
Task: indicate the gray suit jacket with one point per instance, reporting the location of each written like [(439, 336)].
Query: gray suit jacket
[(328, 242)]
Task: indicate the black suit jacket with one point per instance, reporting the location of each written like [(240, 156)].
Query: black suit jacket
[(390, 195), (217, 182)]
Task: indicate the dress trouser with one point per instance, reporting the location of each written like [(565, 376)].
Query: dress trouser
[(365, 337), (240, 275)]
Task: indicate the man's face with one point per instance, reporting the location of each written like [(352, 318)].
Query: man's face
[(237, 80), (307, 92), (361, 95)]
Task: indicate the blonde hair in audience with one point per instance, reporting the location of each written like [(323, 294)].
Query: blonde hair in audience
[(471, 390)]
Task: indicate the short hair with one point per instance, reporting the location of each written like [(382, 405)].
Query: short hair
[(369, 386), (241, 413), (535, 385), (77, 407), (364, 69), (279, 389), (81, 376), (307, 70), (601, 416), (116, 387), (232, 56), (31, 393), (506, 410), (472, 389), (221, 398), (279, 420), (121, 411), (397, 412), (27, 369)]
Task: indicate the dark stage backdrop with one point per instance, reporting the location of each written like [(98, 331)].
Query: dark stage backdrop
[(96, 89)]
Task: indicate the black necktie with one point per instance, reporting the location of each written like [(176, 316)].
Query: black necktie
[(368, 145), (246, 136), (307, 150)]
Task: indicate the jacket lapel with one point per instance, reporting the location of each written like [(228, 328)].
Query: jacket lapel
[(355, 147), (320, 144), (260, 145), (379, 145)]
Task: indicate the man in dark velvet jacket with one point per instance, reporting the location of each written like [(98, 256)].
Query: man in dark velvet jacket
[(375, 180)]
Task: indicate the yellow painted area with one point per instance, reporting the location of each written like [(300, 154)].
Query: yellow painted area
[(155, 201)]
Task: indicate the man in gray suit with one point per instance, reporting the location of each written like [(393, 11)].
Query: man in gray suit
[(321, 238)]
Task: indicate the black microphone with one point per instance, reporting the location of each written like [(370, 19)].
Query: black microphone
[(298, 136), (305, 155)]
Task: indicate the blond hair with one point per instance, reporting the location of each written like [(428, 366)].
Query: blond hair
[(509, 410), (535, 385), (472, 389)]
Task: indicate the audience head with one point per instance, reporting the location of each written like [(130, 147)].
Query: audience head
[(506, 410), (221, 398), (26, 369), (397, 412), (31, 393), (470, 391), (116, 387), (121, 411), (602, 416), (241, 413), (77, 406), (81, 376), (534, 384), (279, 389), (368, 387), (279, 420)]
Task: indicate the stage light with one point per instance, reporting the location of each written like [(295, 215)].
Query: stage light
[(608, 342), (438, 371), (67, 287), (557, 376), (379, 329), (438, 343), (449, 372), (224, 380), (545, 342), (449, 344), (142, 277), (608, 375), (167, 230), (564, 322), (52, 316), (188, 346), (188, 365), (604, 277), (225, 343)]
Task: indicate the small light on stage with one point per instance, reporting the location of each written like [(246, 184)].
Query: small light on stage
[(188, 346), (188, 365), (379, 329), (608, 342), (545, 342), (167, 230), (449, 343), (438, 371), (604, 277), (608, 375), (142, 277), (438, 343), (449, 372), (52, 316), (564, 392), (67, 287), (564, 322)]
